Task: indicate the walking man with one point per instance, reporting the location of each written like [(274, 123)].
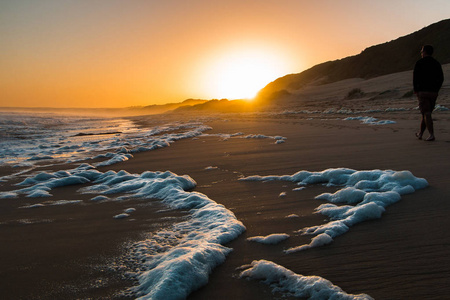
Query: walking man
[(427, 81)]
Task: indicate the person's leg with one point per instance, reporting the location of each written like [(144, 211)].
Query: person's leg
[(423, 126), (427, 101), (429, 125), (422, 108)]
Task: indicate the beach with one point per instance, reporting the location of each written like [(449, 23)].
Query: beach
[(81, 249), (396, 257), (257, 150)]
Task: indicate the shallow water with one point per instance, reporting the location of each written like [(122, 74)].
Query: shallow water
[(29, 137)]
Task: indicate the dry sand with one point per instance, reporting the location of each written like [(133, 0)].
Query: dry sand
[(404, 255)]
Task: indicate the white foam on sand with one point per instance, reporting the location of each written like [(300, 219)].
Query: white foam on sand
[(366, 194), (226, 136), (298, 189), (278, 139), (290, 284), (211, 168), (99, 198), (441, 108), (121, 216), (370, 120), (272, 239), (51, 203), (172, 262), (343, 111), (292, 216)]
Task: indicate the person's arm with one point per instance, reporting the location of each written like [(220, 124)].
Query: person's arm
[(415, 78), (441, 77)]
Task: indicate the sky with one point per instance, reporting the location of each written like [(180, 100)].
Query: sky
[(121, 53)]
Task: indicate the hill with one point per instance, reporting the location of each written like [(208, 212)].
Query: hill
[(162, 108), (223, 106), (392, 57)]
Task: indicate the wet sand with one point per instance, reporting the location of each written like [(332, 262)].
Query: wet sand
[(67, 251)]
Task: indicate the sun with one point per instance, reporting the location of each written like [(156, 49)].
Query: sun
[(240, 74)]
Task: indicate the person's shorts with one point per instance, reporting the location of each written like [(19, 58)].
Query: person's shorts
[(427, 101)]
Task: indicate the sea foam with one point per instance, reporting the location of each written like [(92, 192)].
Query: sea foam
[(273, 238), (290, 284), (370, 120), (173, 262), (365, 196)]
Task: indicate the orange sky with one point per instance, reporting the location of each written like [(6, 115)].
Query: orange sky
[(111, 53)]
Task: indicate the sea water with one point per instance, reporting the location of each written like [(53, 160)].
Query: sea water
[(29, 137)]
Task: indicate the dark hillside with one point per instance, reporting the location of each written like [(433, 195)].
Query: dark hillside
[(391, 57)]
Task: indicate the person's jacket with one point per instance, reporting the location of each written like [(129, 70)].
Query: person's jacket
[(427, 75)]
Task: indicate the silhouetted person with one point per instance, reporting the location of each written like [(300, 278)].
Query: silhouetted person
[(427, 80)]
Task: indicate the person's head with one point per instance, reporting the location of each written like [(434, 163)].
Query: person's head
[(427, 50)]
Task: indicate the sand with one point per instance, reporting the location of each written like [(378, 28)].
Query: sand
[(401, 256), (67, 252)]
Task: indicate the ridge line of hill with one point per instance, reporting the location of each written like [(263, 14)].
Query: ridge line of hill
[(391, 57)]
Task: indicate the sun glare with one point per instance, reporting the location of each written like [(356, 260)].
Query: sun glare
[(241, 74)]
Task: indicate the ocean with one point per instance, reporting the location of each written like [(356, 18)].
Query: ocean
[(54, 138)]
